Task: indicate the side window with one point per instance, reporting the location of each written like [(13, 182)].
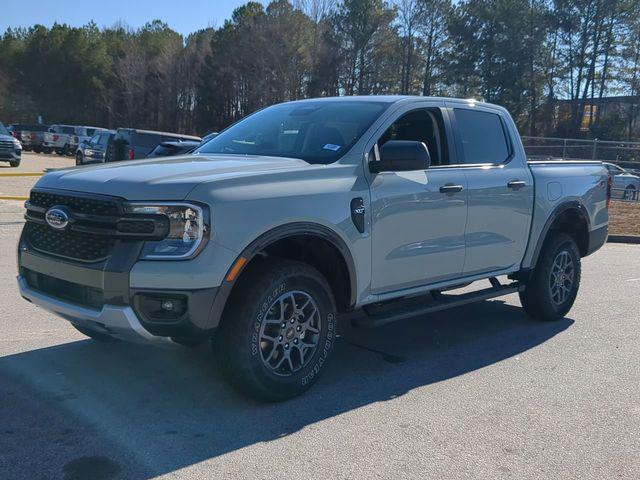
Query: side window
[(482, 135), (425, 126)]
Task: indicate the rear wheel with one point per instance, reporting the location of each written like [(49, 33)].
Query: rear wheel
[(59, 151), (100, 337), (550, 292), (37, 149), (630, 193), (278, 331)]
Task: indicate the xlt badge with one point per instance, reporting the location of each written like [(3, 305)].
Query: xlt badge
[(357, 213)]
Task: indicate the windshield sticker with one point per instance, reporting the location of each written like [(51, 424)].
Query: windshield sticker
[(332, 147)]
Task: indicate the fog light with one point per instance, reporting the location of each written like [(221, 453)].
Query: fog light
[(167, 305), (161, 307)]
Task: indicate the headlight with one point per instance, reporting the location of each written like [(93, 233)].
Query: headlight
[(17, 144), (187, 230)]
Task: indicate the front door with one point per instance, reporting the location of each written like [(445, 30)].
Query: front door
[(418, 217)]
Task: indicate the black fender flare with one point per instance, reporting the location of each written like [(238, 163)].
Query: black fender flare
[(557, 211), (270, 237)]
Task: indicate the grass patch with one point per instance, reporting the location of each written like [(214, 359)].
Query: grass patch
[(624, 218)]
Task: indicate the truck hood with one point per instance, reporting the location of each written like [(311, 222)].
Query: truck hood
[(170, 178)]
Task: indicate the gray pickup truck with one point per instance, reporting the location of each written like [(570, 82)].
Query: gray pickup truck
[(364, 210)]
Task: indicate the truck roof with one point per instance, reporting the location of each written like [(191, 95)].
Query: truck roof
[(398, 99)]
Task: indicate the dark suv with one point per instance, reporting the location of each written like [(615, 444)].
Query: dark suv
[(10, 147), (129, 143), (171, 149)]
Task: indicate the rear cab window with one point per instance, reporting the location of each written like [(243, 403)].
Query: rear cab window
[(482, 136)]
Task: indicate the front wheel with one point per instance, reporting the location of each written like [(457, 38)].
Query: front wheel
[(277, 334), (14, 163), (79, 159), (550, 292)]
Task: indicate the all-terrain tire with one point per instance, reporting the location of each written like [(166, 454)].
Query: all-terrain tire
[(551, 290), (276, 288), (14, 163), (79, 158)]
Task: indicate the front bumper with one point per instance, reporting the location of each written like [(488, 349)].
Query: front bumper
[(10, 155), (117, 321), (100, 295)]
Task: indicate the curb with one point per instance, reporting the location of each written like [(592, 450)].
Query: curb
[(26, 174), (10, 197), (634, 239)]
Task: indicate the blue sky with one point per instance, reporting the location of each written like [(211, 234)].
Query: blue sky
[(184, 16)]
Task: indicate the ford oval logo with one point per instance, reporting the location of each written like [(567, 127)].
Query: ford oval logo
[(57, 218)]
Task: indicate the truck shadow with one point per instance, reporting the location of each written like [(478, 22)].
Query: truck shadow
[(136, 411)]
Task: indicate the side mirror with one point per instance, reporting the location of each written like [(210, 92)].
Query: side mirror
[(401, 156)]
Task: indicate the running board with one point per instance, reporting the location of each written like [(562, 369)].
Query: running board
[(377, 316)]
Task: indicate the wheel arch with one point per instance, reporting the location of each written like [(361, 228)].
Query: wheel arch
[(571, 218), (278, 237)]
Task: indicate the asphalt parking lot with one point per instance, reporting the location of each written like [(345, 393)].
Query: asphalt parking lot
[(477, 392)]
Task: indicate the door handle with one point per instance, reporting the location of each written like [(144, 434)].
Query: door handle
[(450, 188), (516, 184)]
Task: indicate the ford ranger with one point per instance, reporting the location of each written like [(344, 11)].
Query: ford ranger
[(308, 213)]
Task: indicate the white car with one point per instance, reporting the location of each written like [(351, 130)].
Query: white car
[(626, 185), (84, 134)]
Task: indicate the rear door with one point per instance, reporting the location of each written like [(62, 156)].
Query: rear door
[(500, 190)]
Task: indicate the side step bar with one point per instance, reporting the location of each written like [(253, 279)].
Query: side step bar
[(376, 316)]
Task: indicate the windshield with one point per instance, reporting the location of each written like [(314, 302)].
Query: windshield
[(3, 130), (317, 132)]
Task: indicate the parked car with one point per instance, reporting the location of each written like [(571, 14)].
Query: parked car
[(94, 149), (32, 137), (626, 185), (170, 149), (84, 134), (359, 209), (58, 138), (10, 147), (209, 136), (130, 143), (15, 129)]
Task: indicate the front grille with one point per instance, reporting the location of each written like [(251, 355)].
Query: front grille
[(72, 292), (79, 204), (74, 245), (6, 145)]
